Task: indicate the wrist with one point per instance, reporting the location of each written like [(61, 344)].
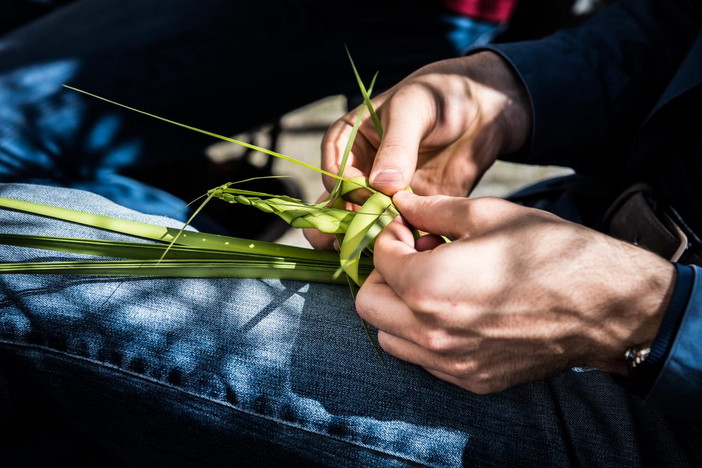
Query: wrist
[(656, 297), (503, 100), (646, 363), (635, 312)]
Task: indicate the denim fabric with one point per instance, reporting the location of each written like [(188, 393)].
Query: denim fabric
[(219, 65), (226, 372)]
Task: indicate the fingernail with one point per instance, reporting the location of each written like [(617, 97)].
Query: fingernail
[(335, 245), (387, 177)]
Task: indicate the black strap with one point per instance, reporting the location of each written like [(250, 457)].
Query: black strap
[(636, 217)]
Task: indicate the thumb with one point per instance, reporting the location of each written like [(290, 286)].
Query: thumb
[(453, 217), (396, 159)]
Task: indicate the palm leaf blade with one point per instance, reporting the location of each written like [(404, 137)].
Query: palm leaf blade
[(181, 269)]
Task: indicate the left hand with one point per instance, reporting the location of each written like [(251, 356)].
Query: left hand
[(520, 294)]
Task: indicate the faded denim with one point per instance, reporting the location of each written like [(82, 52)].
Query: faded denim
[(226, 372)]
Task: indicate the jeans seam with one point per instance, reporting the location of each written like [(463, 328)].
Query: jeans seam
[(11, 344)]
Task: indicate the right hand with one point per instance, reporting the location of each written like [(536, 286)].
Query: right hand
[(520, 294)]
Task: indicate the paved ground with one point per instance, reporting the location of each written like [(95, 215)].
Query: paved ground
[(301, 138)]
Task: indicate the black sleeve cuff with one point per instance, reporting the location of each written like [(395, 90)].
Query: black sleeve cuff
[(644, 375)]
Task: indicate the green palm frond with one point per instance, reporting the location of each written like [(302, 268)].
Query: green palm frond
[(181, 252)]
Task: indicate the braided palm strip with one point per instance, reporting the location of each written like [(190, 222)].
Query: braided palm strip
[(296, 212)]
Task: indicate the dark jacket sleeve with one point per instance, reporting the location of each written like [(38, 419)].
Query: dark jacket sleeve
[(592, 86), (677, 388)]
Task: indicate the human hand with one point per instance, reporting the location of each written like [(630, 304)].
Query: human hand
[(444, 125), (519, 295)]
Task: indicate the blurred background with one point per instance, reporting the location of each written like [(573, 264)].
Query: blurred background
[(32, 26)]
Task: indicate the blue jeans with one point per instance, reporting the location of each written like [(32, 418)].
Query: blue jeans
[(226, 372), (221, 65)]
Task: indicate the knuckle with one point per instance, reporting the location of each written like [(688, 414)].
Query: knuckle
[(435, 340), (410, 89), (427, 303), (464, 368), (417, 298), (481, 388), (422, 298), (486, 207), (472, 375), (483, 382), (364, 303)]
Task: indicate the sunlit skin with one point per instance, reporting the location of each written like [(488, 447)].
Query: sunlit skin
[(520, 294)]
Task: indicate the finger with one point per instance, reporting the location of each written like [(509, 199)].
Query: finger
[(454, 217), (428, 242), (358, 197), (378, 305), (479, 384), (431, 362), (333, 147), (453, 380), (396, 159), (320, 240), (396, 259), (409, 351)]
